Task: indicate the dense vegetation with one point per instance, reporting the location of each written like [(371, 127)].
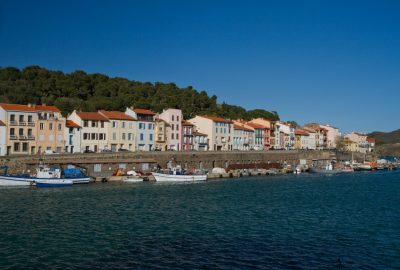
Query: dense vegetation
[(386, 137), (90, 92)]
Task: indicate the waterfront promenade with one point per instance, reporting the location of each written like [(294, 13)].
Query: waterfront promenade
[(104, 164)]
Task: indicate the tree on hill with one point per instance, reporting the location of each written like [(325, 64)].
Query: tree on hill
[(90, 92)]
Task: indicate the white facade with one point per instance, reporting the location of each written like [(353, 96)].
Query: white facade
[(243, 138), (145, 124), (94, 130), (3, 145), (289, 135), (72, 138), (174, 119), (332, 135), (200, 142)]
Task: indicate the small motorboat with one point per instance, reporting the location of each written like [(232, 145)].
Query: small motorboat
[(176, 175), (133, 177), (53, 183)]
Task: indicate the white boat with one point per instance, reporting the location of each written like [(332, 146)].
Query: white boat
[(133, 179), (161, 177), (42, 173), (176, 175)]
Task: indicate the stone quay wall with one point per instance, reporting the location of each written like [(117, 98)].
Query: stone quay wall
[(104, 164)]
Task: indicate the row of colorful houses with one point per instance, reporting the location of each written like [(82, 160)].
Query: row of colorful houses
[(32, 129)]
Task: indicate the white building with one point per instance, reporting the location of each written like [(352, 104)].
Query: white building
[(174, 129), (243, 138), (288, 130), (3, 144), (333, 134), (200, 141), (145, 124), (72, 137), (94, 130)]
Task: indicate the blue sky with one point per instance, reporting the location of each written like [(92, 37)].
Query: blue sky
[(332, 62)]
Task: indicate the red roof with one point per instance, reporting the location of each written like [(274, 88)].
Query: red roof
[(186, 123), (217, 119), (116, 115), (143, 111), (72, 124), (301, 132), (254, 125), (28, 108), (2, 123), (371, 140), (242, 128), (91, 116)]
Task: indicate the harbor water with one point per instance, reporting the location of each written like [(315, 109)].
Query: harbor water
[(308, 221)]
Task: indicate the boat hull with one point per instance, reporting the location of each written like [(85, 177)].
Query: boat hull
[(54, 183), (15, 181), (160, 177)]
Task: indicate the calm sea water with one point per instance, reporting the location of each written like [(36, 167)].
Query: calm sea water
[(278, 222)]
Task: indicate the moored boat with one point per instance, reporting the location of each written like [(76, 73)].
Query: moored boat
[(176, 175), (53, 183)]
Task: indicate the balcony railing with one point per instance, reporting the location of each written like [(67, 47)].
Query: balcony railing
[(22, 137), (31, 137), (13, 123), (31, 124), (13, 137), (22, 123)]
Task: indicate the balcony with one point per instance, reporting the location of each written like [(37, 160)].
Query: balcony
[(22, 137), (31, 124), (22, 123), (31, 137), (13, 123), (13, 137)]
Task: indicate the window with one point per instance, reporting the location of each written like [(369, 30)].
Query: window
[(59, 127), (177, 127), (25, 147), (21, 132), (70, 139), (41, 126), (173, 118), (29, 118), (123, 136), (141, 136), (172, 126), (129, 136), (86, 136), (12, 117), (130, 125), (141, 126), (93, 136), (114, 124), (102, 124), (172, 136), (30, 132), (177, 136), (16, 147), (85, 123), (51, 126), (114, 136), (12, 131), (123, 124), (150, 126), (21, 118), (94, 123), (151, 137), (177, 118)]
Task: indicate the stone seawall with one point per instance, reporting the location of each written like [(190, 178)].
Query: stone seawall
[(104, 164)]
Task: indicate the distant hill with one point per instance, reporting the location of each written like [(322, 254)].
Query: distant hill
[(90, 92), (386, 137)]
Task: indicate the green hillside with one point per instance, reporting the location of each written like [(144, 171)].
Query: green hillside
[(386, 137), (90, 92)]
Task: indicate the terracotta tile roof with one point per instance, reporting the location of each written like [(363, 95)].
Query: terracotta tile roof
[(242, 128), (92, 116), (46, 108), (217, 119), (301, 132), (254, 125), (28, 108), (72, 124), (186, 123), (143, 111), (370, 140), (199, 134), (116, 115), (2, 123)]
